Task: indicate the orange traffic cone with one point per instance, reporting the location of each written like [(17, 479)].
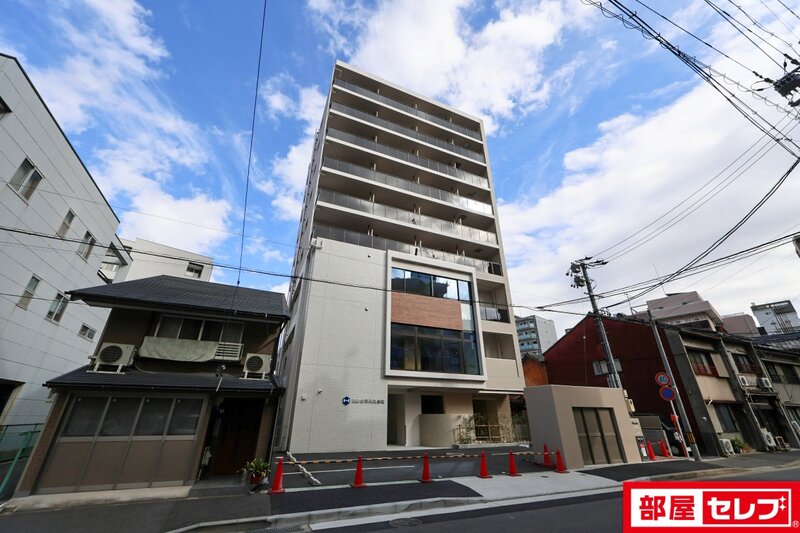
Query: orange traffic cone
[(277, 481), (358, 482), (512, 466), (484, 467), (650, 454), (547, 457), (560, 463), (664, 449), (426, 470)]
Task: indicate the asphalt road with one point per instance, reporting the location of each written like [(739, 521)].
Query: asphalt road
[(596, 514)]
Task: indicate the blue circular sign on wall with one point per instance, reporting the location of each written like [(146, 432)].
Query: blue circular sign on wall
[(662, 378), (346, 400), (667, 393)]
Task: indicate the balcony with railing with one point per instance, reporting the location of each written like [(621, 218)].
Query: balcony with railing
[(408, 132), (441, 168), (379, 243), (494, 314), (408, 185), (408, 217), (407, 109)]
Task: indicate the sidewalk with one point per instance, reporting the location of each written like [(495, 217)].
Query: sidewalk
[(314, 504)]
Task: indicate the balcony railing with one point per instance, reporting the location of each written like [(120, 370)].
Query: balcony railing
[(701, 369), (407, 185), (494, 314), (749, 368), (379, 243), (408, 109), (401, 215), (466, 177), (347, 110)]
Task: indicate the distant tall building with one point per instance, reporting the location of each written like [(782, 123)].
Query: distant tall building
[(777, 317), (153, 259), (57, 229), (536, 335), (400, 326), (688, 309)]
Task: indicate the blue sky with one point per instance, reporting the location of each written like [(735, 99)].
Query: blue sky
[(593, 130)]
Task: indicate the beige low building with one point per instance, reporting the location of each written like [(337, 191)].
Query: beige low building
[(589, 425)]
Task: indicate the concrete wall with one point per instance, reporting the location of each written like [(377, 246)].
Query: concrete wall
[(553, 423), (33, 348), (146, 265)]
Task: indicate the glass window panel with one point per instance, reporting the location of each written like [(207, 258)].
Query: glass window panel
[(232, 332), (190, 329), (119, 418), (467, 321), (185, 416), (30, 185), (85, 416), (19, 176), (153, 417), (430, 354), (403, 354), (212, 331), (429, 332), (451, 356), (419, 283), (169, 327), (464, 293), (471, 364), (445, 288), (398, 279)]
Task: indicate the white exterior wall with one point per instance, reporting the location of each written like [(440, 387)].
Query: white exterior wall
[(33, 348), (146, 265)]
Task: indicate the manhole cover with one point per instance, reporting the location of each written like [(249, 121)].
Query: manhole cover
[(406, 522)]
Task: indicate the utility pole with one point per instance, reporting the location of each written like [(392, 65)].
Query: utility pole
[(681, 410), (580, 278)]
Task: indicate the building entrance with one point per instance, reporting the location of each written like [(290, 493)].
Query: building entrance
[(234, 429)]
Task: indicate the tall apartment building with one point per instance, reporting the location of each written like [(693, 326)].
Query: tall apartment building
[(536, 335), (56, 229), (400, 330), (777, 317)]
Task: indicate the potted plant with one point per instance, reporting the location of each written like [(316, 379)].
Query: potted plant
[(257, 469)]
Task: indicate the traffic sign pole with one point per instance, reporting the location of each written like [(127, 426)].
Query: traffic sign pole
[(681, 410)]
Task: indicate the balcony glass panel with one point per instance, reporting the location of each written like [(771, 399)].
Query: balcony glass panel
[(407, 108), (386, 211), (466, 177), (408, 132), (379, 243), (494, 314), (407, 185)]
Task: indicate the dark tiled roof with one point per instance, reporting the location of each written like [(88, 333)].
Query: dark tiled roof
[(171, 291), (135, 379)]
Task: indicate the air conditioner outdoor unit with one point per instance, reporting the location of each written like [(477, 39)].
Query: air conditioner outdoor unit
[(769, 438), (764, 383), (257, 364), (743, 381), (727, 446), (113, 355)]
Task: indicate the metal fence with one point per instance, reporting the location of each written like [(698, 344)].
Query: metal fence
[(482, 433), (16, 444)]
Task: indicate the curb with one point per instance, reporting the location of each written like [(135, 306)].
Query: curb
[(694, 474)]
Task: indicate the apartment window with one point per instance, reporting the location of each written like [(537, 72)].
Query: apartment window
[(194, 270), (65, 224), (86, 332), (601, 367), (4, 107), (175, 327), (702, 363), (429, 285), (87, 245), (726, 418), (25, 180), (774, 376), (424, 349), (27, 294), (57, 307)]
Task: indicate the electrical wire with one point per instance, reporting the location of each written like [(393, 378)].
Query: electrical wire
[(760, 26), (789, 9), (733, 22)]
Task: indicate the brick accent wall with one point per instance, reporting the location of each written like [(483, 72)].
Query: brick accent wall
[(426, 311)]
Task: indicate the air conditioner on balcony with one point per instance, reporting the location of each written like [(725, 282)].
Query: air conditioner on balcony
[(727, 446), (258, 365), (113, 357), (764, 383), (769, 438), (743, 381)]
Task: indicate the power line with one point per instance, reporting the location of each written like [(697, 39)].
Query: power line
[(777, 17), (789, 9), (733, 22), (757, 24)]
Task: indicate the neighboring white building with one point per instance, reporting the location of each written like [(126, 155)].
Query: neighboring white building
[(536, 335), (153, 259), (777, 317), (55, 230), (400, 329)]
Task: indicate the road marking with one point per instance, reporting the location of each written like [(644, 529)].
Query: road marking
[(365, 468)]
